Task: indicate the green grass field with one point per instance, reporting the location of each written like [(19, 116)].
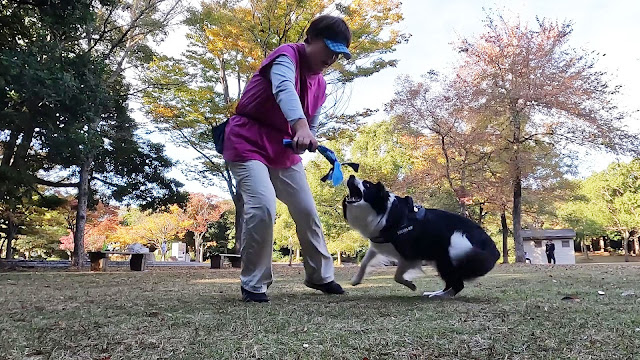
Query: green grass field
[(516, 312)]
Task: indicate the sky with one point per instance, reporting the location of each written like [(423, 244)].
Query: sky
[(608, 27)]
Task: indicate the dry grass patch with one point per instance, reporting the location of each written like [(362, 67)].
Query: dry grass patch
[(515, 313)]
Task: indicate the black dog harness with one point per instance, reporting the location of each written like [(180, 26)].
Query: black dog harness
[(403, 231)]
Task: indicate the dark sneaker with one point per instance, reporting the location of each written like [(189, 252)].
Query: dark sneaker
[(331, 287), (248, 296)]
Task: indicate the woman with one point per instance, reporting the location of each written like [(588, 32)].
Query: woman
[(283, 100)]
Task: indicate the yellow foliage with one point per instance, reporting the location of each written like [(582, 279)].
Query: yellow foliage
[(161, 111), (153, 228)]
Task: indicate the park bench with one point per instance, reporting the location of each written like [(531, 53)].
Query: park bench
[(100, 260)]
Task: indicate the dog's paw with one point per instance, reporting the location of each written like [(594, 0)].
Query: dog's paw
[(356, 281), (439, 294), (411, 286)]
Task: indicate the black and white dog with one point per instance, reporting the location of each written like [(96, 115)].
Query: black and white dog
[(460, 249)]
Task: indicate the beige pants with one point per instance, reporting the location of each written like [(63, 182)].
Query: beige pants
[(260, 185)]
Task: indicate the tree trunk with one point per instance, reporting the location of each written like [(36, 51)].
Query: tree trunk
[(505, 237), (23, 148), (239, 80), (197, 238), (81, 215), (12, 231), (464, 211), (462, 206), (224, 82), (517, 217), (8, 148), (625, 244), (480, 215), (290, 250), (339, 258), (585, 249), (517, 186), (298, 255)]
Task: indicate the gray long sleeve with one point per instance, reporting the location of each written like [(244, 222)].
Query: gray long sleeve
[(283, 75)]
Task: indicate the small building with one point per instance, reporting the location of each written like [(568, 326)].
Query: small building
[(179, 251), (535, 240)]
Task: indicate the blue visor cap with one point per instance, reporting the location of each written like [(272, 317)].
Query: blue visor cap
[(338, 47)]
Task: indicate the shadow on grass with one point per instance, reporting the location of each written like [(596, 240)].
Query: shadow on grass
[(381, 299)]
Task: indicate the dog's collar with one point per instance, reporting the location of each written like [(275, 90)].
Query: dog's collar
[(379, 240)]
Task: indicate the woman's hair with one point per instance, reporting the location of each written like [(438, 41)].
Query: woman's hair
[(329, 27)]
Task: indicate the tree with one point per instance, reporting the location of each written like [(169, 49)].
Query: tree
[(608, 200), (349, 243), (284, 231), (39, 237), (201, 211), (577, 213), (228, 40), (26, 220), (149, 228), (36, 88), (454, 146), (66, 101), (102, 222), (538, 89), (219, 235), (122, 39)]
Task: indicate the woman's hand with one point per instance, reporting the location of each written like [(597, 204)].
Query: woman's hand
[(303, 138)]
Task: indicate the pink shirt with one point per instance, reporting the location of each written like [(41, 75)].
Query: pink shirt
[(256, 131)]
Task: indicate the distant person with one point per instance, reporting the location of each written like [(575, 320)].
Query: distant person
[(163, 248), (550, 249)]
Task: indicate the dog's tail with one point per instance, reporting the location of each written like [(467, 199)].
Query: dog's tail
[(477, 262)]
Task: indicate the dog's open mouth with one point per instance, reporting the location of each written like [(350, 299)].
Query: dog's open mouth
[(352, 200), (355, 194)]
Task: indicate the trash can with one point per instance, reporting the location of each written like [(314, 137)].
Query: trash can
[(137, 262), (98, 260), (236, 262), (216, 262)]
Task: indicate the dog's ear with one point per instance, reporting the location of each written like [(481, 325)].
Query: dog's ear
[(409, 201), (382, 189)]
